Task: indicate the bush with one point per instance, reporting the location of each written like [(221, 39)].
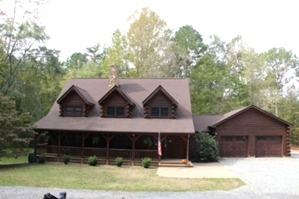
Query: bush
[(66, 159), (93, 160), (206, 147), (118, 161), (146, 162), (42, 159)]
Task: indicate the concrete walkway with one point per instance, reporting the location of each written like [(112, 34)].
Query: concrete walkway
[(199, 170)]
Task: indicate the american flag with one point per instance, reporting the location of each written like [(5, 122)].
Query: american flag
[(159, 145)]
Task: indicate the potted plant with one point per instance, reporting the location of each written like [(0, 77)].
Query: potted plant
[(147, 141), (118, 161)]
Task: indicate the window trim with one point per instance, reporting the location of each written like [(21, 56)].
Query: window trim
[(159, 113), (72, 112), (115, 111)]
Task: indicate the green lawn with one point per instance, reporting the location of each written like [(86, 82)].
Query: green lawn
[(12, 160), (106, 178)]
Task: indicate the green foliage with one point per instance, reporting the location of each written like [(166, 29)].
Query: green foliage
[(41, 159), (26, 65), (66, 159), (118, 161), (146, 162), (206, 147), (147, 141), (149, 44), (93, 160), (16, 129)]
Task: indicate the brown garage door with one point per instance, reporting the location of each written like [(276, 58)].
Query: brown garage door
[(233, 146), (268, 146)]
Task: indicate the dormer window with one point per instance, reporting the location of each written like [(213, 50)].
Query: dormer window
[(75, 102), (115, 104), (160, 104), (73, 110), (159, 112), (118, 111)]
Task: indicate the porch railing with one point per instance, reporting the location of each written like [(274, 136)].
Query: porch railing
[(136, 154)]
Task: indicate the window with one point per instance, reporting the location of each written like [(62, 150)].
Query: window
[(261, 139), (275, 139), (227, 139), (73, 110), (159, 111), (241, 139), (115, 111)]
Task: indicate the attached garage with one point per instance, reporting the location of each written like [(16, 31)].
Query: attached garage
[(247, 132)]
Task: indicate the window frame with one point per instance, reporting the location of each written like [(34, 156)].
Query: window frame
[(159, 112), (115, 111), (73, 111)]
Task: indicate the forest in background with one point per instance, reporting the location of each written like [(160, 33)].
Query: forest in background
[(223, 75)]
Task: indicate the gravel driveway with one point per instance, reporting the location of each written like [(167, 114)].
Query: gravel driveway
[(266, 178)]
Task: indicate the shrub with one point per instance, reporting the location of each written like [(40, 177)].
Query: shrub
[(146, 162), (118, 161), (93, 160), (66, 159), (206, 147), (42, 159)]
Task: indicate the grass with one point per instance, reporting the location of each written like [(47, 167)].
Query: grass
[(107, 178), (12, 160)]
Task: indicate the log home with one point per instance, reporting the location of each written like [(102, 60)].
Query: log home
[(122, 119)]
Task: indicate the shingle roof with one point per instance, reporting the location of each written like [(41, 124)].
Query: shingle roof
[(234, 113), (117, 89), (202, 122), (137, 90), (160, 88), (81, 92)]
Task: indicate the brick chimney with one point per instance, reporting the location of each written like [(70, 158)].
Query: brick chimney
[(113, 76)]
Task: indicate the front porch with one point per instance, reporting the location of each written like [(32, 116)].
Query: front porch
[(106, 147)]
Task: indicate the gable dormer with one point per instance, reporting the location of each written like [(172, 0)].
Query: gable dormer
[(160, 104), (75, 102), (115, 104)]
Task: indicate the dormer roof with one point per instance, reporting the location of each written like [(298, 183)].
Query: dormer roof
[(84, 95), (118, 90), (160, 88)]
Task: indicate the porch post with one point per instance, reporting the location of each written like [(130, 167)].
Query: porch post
[(187, 158), (35, 141), (59, 143), (107, 149), (82, 147), (133, 152)]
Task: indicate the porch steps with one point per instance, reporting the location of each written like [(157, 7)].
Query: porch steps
[(174, 163)]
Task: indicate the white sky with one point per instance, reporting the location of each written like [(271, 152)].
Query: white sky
[(74, 25)]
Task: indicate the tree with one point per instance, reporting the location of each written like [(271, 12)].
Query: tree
[(25, 61), (216, 86), (148, 41), (191, 46), (16, 130), (117, 54)]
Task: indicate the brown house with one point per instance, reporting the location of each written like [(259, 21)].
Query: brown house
[(247, 132), (124, 119)]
